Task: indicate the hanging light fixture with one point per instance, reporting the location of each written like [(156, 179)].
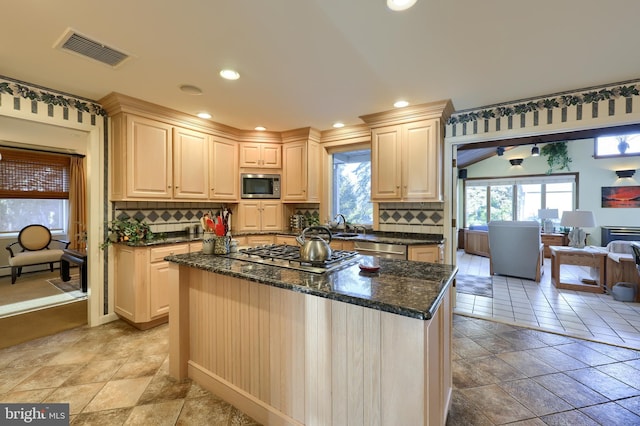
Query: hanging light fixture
[(516, 161), (500, 151), (535, 151)]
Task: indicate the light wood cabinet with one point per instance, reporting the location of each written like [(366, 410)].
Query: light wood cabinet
[(263, 155), (141, 283), (286, 239), (553, 240), (260, 215), (190, 164), (152, 160), (301, 172), (142, 154), (433, 253), (259, 240), (476, 242), (406, 162), (223, 170)]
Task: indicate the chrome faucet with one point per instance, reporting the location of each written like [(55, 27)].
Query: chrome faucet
[(344, 221)]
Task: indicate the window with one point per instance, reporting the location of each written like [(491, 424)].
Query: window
[(34, 189), (516, 198), (609, 146), (351, 186)]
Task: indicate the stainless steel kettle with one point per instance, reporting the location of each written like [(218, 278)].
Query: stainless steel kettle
[(314, 248)]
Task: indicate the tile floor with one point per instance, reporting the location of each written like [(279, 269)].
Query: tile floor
[(540, 305), (502, 374), (112, 374)]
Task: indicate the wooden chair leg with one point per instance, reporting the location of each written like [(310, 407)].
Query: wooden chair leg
[(19, 270), (51, 266), (13, 274)]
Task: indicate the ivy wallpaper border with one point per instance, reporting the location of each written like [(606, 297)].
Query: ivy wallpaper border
[(587, 96), (49, 97)]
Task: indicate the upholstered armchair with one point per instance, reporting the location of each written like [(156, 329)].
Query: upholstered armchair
[(516, 249), (34, 247)]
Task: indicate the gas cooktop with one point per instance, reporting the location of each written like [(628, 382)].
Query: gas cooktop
[(286, 256)]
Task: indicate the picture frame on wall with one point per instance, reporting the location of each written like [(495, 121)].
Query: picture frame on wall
[(621, 196)]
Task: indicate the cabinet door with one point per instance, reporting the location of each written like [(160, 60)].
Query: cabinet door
[(159, 279), (313, 171), (286, 239), (249, 216), (223, 170), (259, 240), (271, 156), (294, 179), (250, 155), (430, 253), (271, 216), (421, 169), (149, 158), (385, 163), (190, 164)]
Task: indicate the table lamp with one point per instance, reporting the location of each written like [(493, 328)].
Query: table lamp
[(546, 215), (578, 219)]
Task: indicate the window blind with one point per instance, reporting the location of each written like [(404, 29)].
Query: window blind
[(33, 174)]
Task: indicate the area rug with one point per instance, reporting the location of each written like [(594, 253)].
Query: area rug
[(72, 286), (476, 285)]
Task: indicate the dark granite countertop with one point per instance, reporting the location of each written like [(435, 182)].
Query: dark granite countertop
[(378, 237), (411, 289)]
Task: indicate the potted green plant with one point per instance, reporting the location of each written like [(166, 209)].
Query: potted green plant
[(129, 231), (557, 156)]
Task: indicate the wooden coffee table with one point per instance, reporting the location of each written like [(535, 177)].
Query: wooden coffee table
[(589, 256)]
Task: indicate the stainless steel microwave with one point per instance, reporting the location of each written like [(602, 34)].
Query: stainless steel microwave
[(260, 186)]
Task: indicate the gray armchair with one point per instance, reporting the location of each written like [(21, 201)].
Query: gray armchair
[(515, 249)]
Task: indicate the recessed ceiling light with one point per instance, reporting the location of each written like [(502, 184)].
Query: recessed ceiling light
[(401, 104), (204, 115), (338, 124), (400, 4), (261, 128), (229, 74), (191, 90)]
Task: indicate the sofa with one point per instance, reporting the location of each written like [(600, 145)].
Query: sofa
[(516, 249)]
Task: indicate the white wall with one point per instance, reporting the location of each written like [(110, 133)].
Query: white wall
[(593, 175)]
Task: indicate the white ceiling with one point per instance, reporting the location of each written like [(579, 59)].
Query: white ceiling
[(312, 62)]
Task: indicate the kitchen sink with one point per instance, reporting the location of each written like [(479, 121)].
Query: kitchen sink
[(346, 235)]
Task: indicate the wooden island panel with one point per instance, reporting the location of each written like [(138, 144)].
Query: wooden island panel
[(285, 357)]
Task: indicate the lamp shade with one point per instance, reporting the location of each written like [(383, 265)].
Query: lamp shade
[(548, 213), (578, 218)]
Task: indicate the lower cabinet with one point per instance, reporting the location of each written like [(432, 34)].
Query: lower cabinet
[(433, 253), (553, 240), (142, 282)]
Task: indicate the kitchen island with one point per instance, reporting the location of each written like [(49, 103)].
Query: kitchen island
[(294, 347)]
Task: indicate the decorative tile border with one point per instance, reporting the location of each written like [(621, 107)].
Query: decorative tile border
[(164, 216), (611, 104), (31, 97), (421, 218)]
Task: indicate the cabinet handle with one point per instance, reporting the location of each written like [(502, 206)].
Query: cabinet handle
[(169, 186)]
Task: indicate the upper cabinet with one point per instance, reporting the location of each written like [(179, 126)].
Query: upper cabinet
[(406, 152), (223, 170), (190, 164), (301, 166), (261, 155), (160, 154)]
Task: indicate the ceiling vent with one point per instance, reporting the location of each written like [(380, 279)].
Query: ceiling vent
[(79, 44)]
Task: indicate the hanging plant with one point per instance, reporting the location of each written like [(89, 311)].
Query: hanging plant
[(557, 156)]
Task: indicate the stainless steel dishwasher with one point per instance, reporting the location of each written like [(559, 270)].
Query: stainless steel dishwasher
[(385, 250)]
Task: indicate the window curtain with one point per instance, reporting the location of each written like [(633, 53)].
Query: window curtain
[(77, 204)]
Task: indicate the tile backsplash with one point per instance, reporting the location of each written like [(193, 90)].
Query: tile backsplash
[(165, 216), (421, 218)]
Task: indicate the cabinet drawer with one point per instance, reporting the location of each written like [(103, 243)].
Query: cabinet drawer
[(159, 253)]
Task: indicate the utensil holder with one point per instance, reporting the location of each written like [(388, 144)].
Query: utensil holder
[(208, 242), (221, 245)]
